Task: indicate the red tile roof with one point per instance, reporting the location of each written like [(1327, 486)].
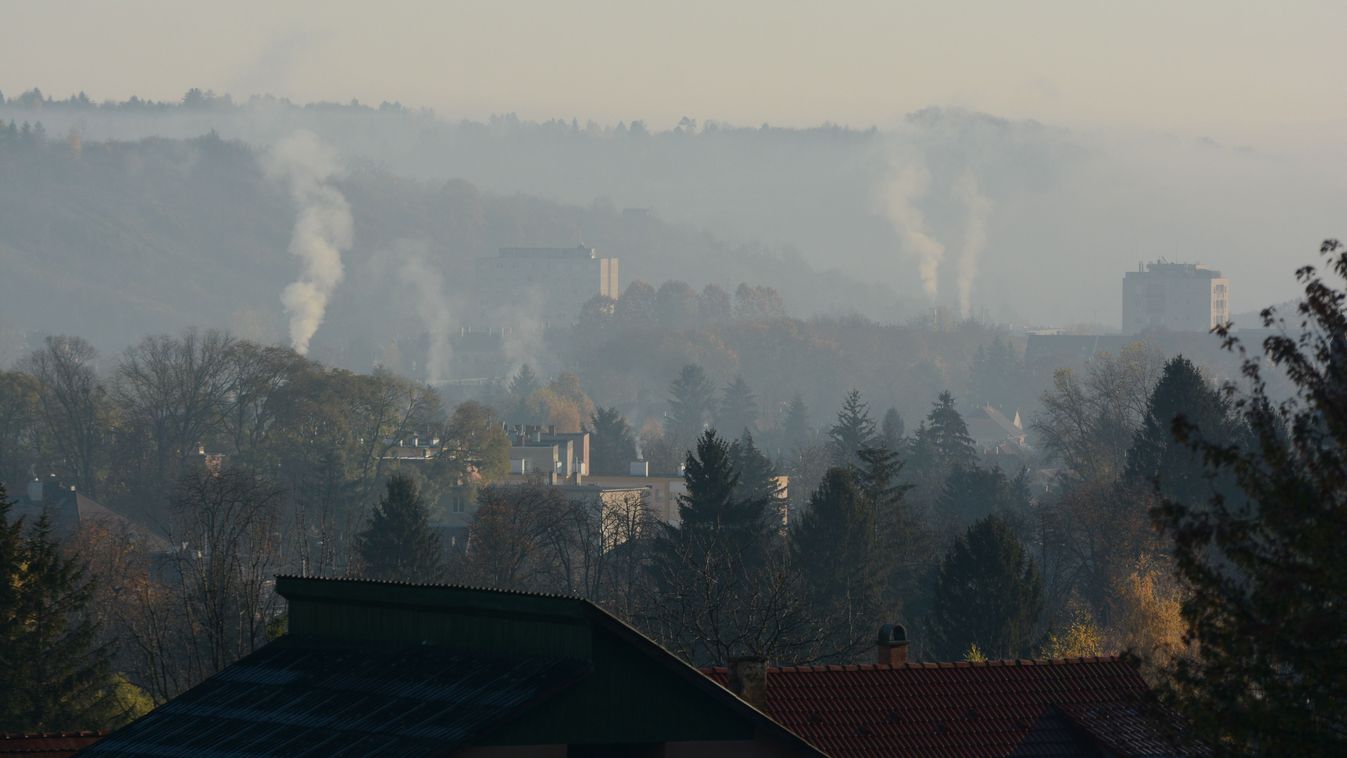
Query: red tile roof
[(1060, 707), (46, 744)]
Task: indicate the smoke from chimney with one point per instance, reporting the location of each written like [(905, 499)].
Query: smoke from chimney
[(323, 230), (903, 190), (432, 307), (974, 237)]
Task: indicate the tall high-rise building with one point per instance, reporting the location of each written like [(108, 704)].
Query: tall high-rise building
[(1175, 297), (547, 284)]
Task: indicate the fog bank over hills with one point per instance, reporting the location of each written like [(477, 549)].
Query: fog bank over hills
[(1015, 221)]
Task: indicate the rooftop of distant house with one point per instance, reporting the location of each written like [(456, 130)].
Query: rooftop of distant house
[(1060, 707)]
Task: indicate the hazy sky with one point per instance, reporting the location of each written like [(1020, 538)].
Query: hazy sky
[(1259, 73)]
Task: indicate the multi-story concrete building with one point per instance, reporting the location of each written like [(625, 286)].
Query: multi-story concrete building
[(1174, 297), (547, 284)]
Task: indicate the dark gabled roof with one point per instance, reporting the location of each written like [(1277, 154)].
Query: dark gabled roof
[(516, 604), (46, 744), (1064, 707), (304, 696)]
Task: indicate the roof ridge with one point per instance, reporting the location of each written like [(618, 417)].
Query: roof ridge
[(52, 735), (435, 585), (990, 663)]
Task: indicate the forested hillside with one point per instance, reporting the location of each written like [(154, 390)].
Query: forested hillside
[(115, 240)]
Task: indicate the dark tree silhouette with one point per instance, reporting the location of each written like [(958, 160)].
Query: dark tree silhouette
[(1264, 568), (988, 592), (1156, 457), (55, 674), (892, 429), (973, 493), (853, 432), (692, 401), (835, 547), (398, 543), (795, 428), (613, 446), (738, 408)]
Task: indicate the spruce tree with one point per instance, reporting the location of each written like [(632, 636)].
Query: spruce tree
[(835, 547), (1156, 458), (853, 432), (949, 434), (973, 493), (1263, 567), (901, 534), (692, 401), (795, 425), (55, 674), (398, 543), (891, 430), (522, 387), (612, 445), (738, 408), (987, 593), (757, 473), (712, 510), (940, 445)]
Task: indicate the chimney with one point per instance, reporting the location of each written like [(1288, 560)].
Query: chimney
[(748, 680), (639, 468), (35, 490), (891, 648)]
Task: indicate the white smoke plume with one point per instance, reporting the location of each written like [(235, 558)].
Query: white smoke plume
[(974, 237), (323, 230), (903, 190), (432, 307)]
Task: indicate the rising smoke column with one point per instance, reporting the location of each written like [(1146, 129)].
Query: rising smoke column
[(323, 230), (903, 190), (432, 307), (974, 237)]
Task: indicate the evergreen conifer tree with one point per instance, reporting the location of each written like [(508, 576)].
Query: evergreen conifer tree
[(853, 432), (902, 536), (835, 546), (55, 674), (738, 409), (692, 401), (712, 509), (522, 387), (1156, 458), (949, 434), (974, 493), (757, 473), (613, 446), (398, 543), (795, 425), (988, 592), (891, 430)]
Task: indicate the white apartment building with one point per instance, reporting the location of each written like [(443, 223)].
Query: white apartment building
[(1174, 297)]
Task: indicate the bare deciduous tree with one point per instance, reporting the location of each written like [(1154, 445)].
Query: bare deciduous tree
[(73, 404)]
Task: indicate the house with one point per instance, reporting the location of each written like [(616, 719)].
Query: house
[(68, 510), (994, 432), (386, 668), (1097, 706)]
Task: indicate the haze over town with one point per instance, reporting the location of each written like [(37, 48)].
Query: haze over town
[(467, 377)]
